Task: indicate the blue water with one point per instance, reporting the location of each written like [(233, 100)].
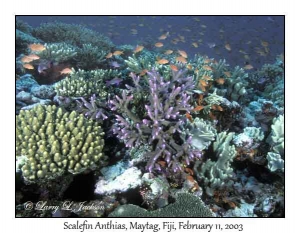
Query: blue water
[(244, 34)]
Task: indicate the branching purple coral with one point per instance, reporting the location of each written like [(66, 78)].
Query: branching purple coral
[(91, 109), (168, 101)]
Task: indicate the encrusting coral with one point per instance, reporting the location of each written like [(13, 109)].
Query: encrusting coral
[(186, 205), (50, 142)]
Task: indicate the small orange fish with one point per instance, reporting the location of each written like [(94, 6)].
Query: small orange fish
[(181, 59), (26, 59), (66, 71), (206, 77), (168, 52), (188, 170), (200, 98), (248, 67), (203, 83), (162, 61), (182, 53), (207, 60), (37, 47), (198, 108), (33, 56), (189, 117), (162, 163), (174, 68), (189, 67), (143, 72), (195, 44), (109, 55), (264, 43), (217, 108), (28, 66), (206, 67), (138, 48), (220, 81), (227, 73), (118, 53), (228, 47), (212, 116), (163, 36), (159, 44)]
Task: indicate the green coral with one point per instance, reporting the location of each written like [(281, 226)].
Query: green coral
[(275, 162), (58, 52), (72, 34), (255, 133), (236, 85), (23, 26), (55, 142), (276, 138), (140, 63), (271, 71), (90, 57), (202, 133), (85, 83), (216, 173), (210, 100), (186, 205)]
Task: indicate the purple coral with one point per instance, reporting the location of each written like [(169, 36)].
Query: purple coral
[(91, 109), (168, 101)]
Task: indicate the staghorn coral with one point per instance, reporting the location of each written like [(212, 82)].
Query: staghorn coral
[(186, 205), (216, 173), (160, 126), (58, 52), (50, 142), (93, 109)]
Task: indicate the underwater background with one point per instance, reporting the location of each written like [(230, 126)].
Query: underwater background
[(150, 116)]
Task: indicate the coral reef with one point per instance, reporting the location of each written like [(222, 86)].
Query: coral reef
[(129, 179), (216, 173), (84, 83), (58, 52), (74, 34), (55, 142), (90, 57), (31, 94), (186, 205), (160, 125), (93, 109), (202, 133), (275, 162), (276, 138)]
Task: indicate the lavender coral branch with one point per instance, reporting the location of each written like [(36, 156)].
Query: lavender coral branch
[(159, 125)]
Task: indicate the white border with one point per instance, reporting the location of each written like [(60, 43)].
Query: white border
[(7, 16)]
